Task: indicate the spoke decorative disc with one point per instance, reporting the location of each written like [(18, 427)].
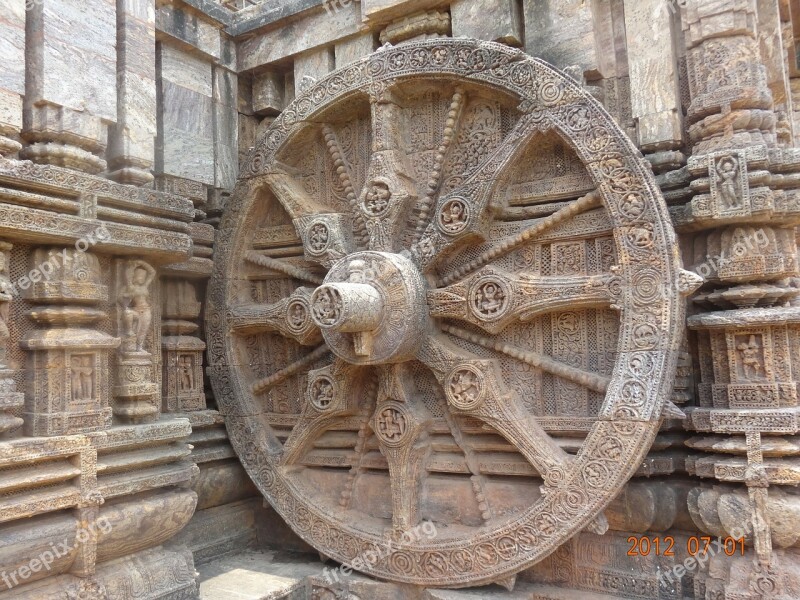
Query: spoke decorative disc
[(446, 292)]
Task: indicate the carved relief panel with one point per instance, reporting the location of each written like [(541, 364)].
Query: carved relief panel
[(417, 329)]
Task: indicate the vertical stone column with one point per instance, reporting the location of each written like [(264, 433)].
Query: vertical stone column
[(743, 212), (10, 400), (132, 140), (655, 98), (226, 128), (12, 76), (71, 82), (182, 381)]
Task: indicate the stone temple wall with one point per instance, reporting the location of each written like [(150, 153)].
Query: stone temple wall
[(123, 125)]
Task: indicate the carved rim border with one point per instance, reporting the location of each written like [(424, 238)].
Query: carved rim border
[(649, 331)]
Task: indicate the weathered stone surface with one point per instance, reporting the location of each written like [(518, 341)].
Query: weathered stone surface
[(655, 100), (190, 27), (12, 77), (186, 138), (391, 9), (79, 39), (132, 140), (257, 576), (268, 93), (293, 38), (488, 20), (562, 33), (220, 531), (311, 67), (348, 51)]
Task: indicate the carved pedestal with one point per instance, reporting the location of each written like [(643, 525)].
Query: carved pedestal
[(68, 366)]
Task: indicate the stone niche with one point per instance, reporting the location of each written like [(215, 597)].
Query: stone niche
[(748, 360), (138, 360), (182, 352)]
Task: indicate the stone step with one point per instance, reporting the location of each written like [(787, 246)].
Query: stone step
[(522, 591), (258, 575)]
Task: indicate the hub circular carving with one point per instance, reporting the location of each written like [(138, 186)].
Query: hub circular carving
[(377, 296), (406, 205)]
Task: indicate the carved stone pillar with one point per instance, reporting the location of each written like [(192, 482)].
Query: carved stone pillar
[(66, 118), (132, 140), (136, 393), (10, 400), (68, 376), (182, 351), (744, 208), (12, 78)]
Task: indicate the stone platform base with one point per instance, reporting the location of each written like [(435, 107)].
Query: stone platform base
[(270, 575)]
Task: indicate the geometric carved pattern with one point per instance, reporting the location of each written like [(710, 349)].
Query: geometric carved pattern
[(446, 359)]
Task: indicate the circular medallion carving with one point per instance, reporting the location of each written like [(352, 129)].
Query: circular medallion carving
[(490, 298), (322, 393), (453, 216), (297, 316), (376, 201), (319, 237), (392, 425), (465, 387), (439, 308)]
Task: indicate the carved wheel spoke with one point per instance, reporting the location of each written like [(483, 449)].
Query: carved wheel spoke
[(494, 299), (475, 388), (329, 399), (389, 192), (291, 317), (402, 424), (459, 214), (479, 305)]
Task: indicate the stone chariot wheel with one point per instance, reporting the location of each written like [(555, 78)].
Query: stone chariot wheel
[(445, 314)]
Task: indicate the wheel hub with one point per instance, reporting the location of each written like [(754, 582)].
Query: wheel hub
[(371, 308)]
